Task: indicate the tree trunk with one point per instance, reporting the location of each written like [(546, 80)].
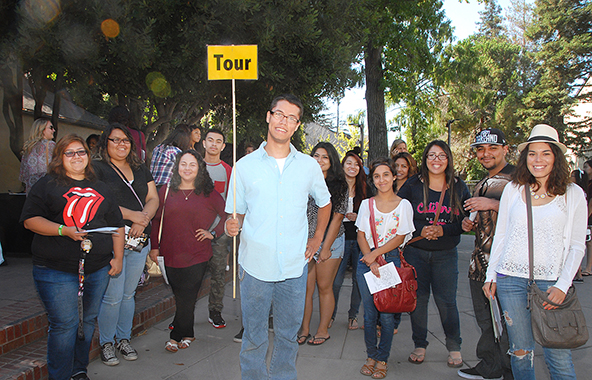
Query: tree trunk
[(38, 90), (377, 136), (57, 101), (12, 106)]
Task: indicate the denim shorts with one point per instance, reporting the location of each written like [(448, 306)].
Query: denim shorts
[(337, 248)]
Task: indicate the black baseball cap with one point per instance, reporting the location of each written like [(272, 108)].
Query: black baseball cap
[(491, 136)]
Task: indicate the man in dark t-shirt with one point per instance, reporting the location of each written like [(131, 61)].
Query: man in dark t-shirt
[(491, 149)]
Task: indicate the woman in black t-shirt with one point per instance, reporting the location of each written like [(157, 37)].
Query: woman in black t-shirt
[(59, 209), (135, 191), (435, 257)]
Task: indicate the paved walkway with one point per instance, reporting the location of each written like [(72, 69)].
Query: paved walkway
[(215, 356)]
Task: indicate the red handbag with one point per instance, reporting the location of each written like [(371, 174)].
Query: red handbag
[(403, 297)]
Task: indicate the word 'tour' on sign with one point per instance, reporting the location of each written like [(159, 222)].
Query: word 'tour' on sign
[(232, 62)]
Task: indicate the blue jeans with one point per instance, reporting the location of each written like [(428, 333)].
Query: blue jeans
[(513, 297), (437, 271), (351, 252), (66, 354), (117, 309), (257, 299), (377, 351)]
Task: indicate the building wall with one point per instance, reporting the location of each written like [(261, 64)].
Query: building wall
[(10, 165)]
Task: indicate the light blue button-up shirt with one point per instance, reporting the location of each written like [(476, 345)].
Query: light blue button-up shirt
[(275, 228)]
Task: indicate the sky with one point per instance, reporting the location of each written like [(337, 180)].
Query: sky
[(463, 16)]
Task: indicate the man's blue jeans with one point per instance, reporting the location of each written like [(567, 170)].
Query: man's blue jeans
[(377, 351), (257, 298), (351, 252), (513, 297), (117, 309), (437, 271), (66, 354)]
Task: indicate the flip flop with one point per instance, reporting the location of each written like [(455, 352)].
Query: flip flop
[(306, 337), (417, 356), (586, 273), (454, 361), (314, 339), (185, 342), (171, 347), (353, 324)]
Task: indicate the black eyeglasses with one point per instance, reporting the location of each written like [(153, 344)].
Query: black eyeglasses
[(71, 153), (279, 116), (118, 141)]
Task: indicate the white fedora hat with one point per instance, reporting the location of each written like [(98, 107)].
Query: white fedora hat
[(543, 133)]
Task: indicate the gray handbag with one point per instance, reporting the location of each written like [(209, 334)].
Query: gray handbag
[(563, 327)]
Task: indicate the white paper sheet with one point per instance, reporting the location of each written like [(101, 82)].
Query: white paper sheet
[(389, 277), (162, 269), (104, 230)]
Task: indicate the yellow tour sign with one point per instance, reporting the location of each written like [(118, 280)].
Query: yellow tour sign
[(232, 62)]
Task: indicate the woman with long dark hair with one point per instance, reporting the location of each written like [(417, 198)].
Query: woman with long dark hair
[(322, 270), (391, 218), (559, 230), (119, 166), (181, 233), (435, 257), (357, 191), (406, 167), (59, 209)]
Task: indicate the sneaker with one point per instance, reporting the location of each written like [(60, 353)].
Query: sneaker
[(80, 376), (126, 349), (238, 338), (472, 373), (108, 354), (216, 319)]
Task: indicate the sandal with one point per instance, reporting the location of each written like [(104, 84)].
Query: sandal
[(380, 373), (302, 339), (368, 367), (171, 346), (317, 341), (353, 324), (454, 359), (417, 356), (586, 273), (185, 342)]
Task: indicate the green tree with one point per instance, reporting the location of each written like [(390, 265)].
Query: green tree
[(563, 30)]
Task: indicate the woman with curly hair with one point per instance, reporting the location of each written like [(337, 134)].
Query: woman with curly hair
[(37, 153), (180, 233), (322, 270), (358, 191), (132, 184), (559, 229), (435, 257)]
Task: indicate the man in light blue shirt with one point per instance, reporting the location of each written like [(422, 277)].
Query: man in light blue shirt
[(272, 188)]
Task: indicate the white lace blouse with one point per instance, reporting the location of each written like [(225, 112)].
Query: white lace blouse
[(559, 230)]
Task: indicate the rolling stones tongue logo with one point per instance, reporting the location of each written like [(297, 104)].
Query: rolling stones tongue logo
[(82, 206)]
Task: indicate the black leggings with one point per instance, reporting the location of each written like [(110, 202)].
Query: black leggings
[(185, 283)]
